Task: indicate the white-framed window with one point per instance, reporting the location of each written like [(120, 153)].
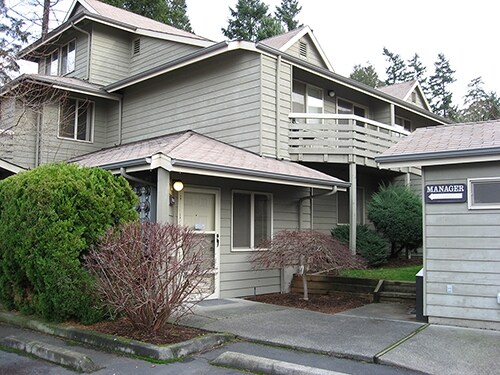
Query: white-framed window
[(404, 122), (346, 107), (251, 219), (52, 63), (484, 193), (68, 56), (76, 119), (307, 99)]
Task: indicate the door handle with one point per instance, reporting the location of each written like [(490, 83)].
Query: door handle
[(217, 239)]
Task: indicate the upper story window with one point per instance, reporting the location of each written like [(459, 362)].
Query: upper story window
[(67, 54), (252, 219), (484, 193), (68, 58), (76, 120), (404, 122), (52, 63), (346, 107), (307, 99)]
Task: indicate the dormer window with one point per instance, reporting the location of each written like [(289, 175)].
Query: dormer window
[(52, 63), (68, 58), (136, 46)]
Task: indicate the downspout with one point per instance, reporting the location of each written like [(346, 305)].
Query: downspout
[(311, 197), (38, 138), (120, 120), (135, 179), (278, 103), (88, 47)]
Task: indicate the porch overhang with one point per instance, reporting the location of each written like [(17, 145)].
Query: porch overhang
[(10, 167), (192, 153)]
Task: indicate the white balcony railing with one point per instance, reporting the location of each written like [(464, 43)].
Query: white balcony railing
[(339, 138)]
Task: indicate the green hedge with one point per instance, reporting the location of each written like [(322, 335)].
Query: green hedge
[(369, 244), (49, 218)]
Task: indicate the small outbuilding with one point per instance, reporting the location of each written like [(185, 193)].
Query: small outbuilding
[(461, 216)]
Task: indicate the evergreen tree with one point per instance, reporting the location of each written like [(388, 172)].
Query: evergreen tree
[(441, 96), (478, 104), (13, 36), (250, 21), (417, 71), (366, 74), (171, 12), (397, 70), (287, 12)]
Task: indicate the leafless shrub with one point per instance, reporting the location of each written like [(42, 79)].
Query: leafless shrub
[(148, 271), (309, 250)]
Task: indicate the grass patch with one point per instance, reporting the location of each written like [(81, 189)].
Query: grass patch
[(397, 274)]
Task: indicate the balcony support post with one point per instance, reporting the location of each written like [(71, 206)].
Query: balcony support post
[(352, 206)]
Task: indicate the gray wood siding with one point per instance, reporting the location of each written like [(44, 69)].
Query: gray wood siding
[(219, 98), (154, 52), (110, 55), (313, 55), (269, 97), (462, 249), (18, 144), (325, 213), (381, 112)]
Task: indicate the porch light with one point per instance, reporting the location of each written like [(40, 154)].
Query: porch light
[(178, 185), (331, 93)]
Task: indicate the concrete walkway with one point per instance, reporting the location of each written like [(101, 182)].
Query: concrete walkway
[(383, 333)]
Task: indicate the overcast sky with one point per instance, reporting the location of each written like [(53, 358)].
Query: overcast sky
[(355, 31)]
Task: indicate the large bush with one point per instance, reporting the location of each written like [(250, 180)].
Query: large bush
[(49, 218), (148, 271), (396, 212), (369, 244)]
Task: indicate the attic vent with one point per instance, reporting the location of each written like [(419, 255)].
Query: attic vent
[(303, 49), (414, 97), (136, 48)]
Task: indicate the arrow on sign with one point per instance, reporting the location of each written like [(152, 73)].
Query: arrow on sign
[(445, 196)]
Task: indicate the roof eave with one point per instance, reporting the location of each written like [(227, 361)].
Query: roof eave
[(439, 157)]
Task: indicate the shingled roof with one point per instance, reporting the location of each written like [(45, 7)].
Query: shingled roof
[(204, 155), (474, 140)]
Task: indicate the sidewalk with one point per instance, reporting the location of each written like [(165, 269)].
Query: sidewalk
[(379, 333)]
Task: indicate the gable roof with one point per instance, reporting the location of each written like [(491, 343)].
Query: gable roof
[(97, 11), (403, 91), (190, 152), (446, 144), (284, 41)]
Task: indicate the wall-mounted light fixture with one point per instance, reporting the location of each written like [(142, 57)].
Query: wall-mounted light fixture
[(331, 93), (178, 185)]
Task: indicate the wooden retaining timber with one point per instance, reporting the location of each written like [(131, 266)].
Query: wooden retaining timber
[(374, 290)]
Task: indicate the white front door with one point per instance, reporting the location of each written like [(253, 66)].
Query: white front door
[(199, 209)]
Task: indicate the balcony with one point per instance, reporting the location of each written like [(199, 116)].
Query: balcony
[(337, 138)]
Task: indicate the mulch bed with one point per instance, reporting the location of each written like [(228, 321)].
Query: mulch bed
[(170, 334), (330, 304)]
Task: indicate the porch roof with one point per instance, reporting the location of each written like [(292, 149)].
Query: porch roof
[(11, 167), (190, 152), (446, 144)]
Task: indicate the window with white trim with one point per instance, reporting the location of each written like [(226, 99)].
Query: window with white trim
[(484, 193), (68, 58), (76, 120), (251, 218), (404, 122), (307, 99), (52, 63)]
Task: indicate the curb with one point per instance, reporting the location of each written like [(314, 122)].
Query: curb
[(118, 344), (69, 358), (267, 366)]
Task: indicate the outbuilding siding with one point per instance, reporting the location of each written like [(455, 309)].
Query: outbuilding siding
[(462, 251)]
